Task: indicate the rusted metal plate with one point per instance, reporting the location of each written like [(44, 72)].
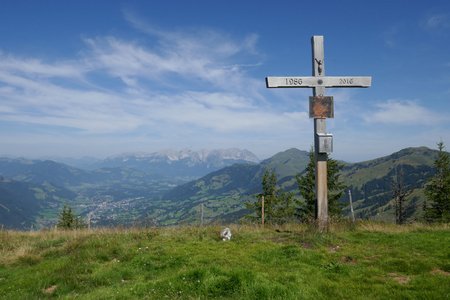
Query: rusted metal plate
[(321, 107)]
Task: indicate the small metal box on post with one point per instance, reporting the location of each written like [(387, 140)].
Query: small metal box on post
[(325, 143)]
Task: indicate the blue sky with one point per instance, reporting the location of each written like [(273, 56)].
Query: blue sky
[(100, 78)]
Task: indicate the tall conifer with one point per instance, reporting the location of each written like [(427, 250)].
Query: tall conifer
[(437, 205), (306, 185)]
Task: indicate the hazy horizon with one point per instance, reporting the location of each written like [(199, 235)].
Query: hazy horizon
[(60, 157)]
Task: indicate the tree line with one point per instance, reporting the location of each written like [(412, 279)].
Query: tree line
[(281, 206)]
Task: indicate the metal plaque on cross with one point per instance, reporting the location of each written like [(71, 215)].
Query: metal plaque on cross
[(321, 107)]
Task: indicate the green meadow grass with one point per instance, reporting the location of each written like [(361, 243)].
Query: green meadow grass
[(366, 261)]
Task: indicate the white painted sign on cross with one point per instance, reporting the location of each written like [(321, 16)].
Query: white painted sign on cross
[(318, 82), (327, 81)]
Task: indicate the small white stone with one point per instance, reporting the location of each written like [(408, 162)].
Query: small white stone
[(225, 234)]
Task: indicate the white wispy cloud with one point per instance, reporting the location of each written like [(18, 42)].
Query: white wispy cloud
[(175, 80), (404, 112), (437, 21), (203, 54), (33, 67)]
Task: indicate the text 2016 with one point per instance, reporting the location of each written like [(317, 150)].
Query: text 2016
[(345, 80)]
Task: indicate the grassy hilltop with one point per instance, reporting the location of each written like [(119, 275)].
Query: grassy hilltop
[(369, 261)]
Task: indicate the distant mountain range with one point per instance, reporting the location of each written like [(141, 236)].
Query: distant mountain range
[(142, 189), (242, 178), (184, 163), (223, 193), (370, 183), (132, 179), (172, 163)]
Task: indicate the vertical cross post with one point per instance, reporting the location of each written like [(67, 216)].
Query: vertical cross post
[(320, 127), (321, 107)]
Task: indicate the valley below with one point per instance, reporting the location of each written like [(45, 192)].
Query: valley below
[(188, 187)]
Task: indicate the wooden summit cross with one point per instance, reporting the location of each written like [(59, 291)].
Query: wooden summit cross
[(320, 108)]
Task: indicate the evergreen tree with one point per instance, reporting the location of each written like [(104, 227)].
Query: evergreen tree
[(437, 206), (68, 220), (336, 187), (306, 184), (269, 187), (278, 205), (268, 182), (399, 194), (285, 208)]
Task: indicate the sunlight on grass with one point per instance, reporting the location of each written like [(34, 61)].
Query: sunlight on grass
[(368, 260)]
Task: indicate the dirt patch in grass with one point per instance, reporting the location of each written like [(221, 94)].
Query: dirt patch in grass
[(50, 290), (374, 257), (440, 272), (401, 279), (348, 260), (334, 249), (307, 245)]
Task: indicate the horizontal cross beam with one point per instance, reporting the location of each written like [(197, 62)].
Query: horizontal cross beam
[(318, 81)]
